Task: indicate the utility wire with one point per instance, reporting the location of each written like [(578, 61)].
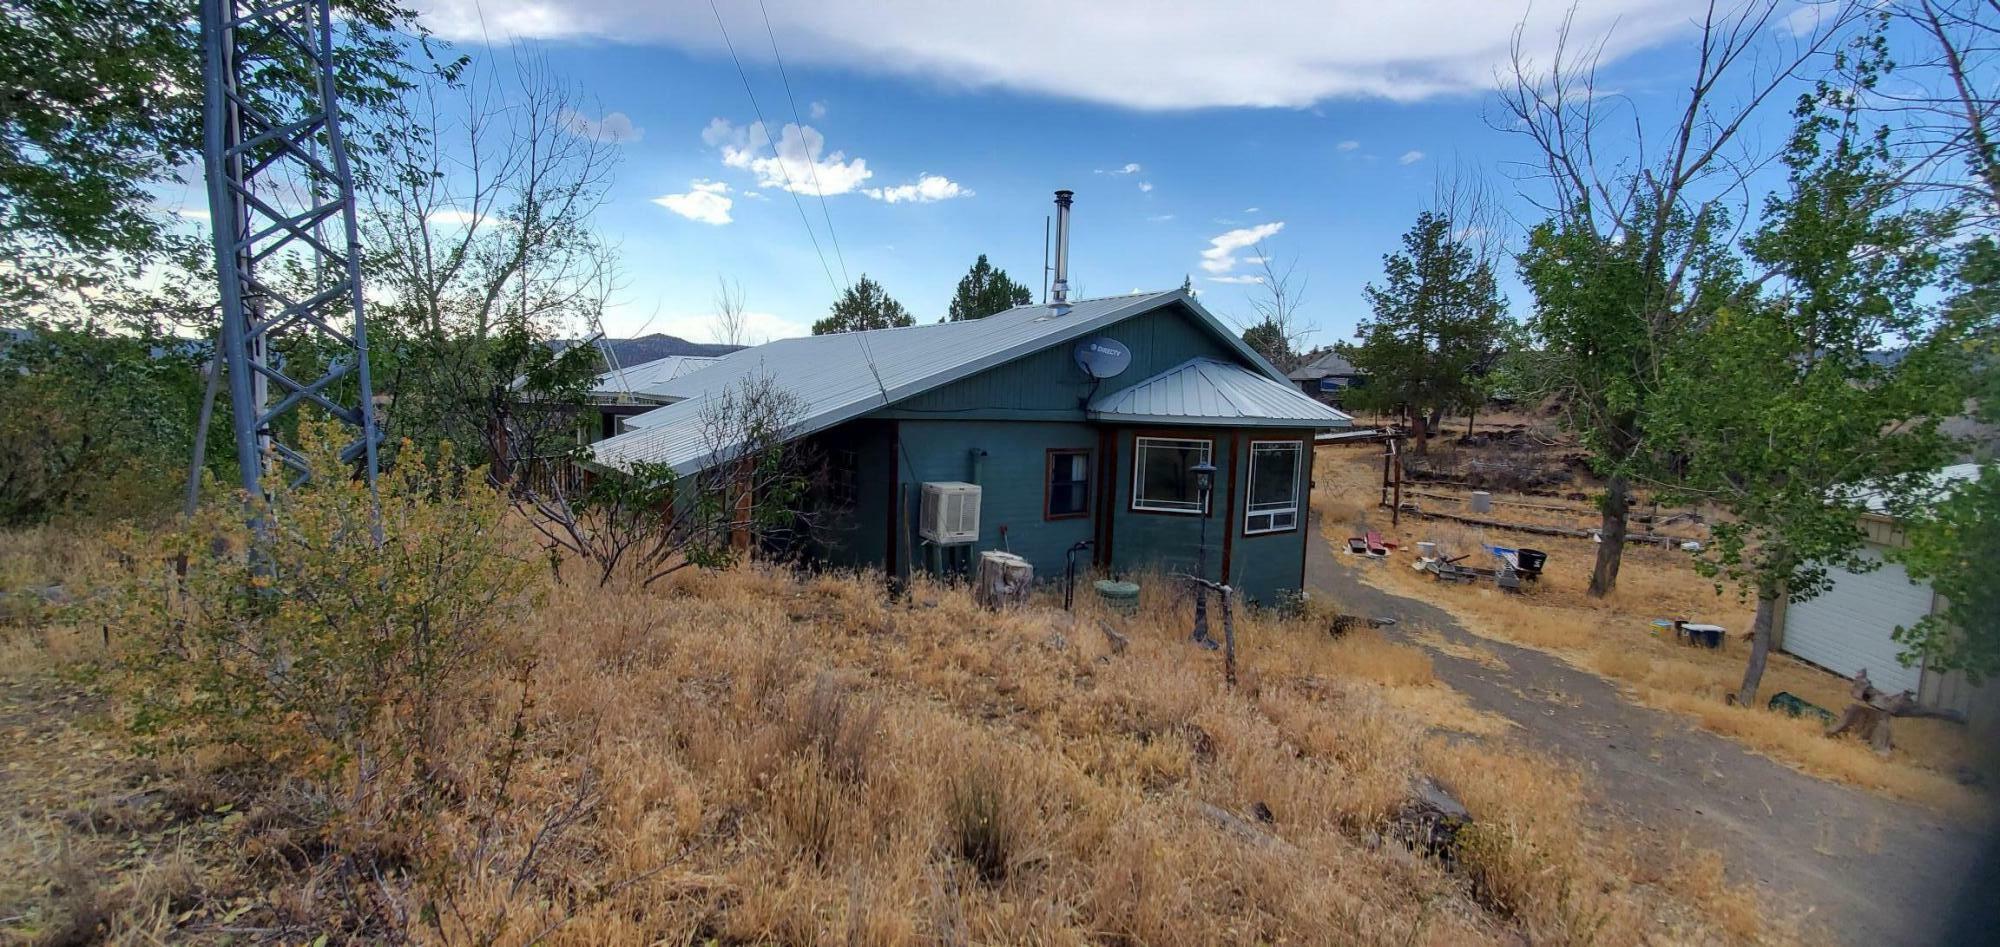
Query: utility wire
[(810, 164), (766, 127)]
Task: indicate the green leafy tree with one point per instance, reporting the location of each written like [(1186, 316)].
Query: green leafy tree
[(984, 291), (94, 423), (1953, 545), (1608, 313), (864, 305), (1438, 318), (103, 102), (1783, 412), (1954, 541)]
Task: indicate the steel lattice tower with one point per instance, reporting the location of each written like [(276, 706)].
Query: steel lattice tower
[(281, 194)]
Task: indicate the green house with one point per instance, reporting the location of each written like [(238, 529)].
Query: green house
[(1076, 422)]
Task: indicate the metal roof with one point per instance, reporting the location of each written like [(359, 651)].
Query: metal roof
[(645, 377), (1206, 391), (843, 376), (1327, 365), (1942, 484)]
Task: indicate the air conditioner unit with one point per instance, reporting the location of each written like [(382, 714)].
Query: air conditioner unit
[(950, 513)]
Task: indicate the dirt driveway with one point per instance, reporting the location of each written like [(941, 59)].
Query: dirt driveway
[(1870, 870)]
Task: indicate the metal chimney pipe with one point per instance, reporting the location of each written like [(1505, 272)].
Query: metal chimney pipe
[(1059, 295)]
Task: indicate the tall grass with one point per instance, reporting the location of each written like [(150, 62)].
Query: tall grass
[(752, 756)]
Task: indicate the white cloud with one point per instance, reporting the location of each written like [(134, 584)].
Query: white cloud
[(615, 127), (926, 188), (705, 202), (1220, 257), (1248, 280), (1160, 218), (459, 217), (1285, 53), (816, 110), (1145, 186), (1348, 145), (1130, 168), (800, 164), (1252, 210), (191, 213), (1410, 157)]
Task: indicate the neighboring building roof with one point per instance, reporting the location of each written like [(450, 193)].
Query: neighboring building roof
[(643, 379), (1209, 392), (843, 376), (1942, 484), (1326, 366)]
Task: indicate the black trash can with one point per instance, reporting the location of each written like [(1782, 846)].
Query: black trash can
[(1530, 561)]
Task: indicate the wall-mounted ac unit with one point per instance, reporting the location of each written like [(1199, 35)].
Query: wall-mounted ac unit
[(950, 513)]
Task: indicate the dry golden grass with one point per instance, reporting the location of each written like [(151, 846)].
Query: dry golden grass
[(750, 756), (1613, 637)]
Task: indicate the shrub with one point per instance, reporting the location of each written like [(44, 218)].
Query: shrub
[(307, 641)]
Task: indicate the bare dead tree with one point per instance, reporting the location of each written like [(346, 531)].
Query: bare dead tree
[(731, 322), (486, 253), (1652, 199), (1277, 333), (750, 490)]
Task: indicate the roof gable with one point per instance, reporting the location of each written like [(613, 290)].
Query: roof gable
[(839, 377), (1211, 392)]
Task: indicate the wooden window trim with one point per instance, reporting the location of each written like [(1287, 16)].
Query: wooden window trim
[(1132, 502), (1250, 485), (1048, 481)]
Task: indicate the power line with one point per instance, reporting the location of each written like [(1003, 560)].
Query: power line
[(810, 164), (766, 127)]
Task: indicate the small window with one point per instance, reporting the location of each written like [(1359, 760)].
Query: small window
[(1163, 478), (1068, 493), (1274, 486)]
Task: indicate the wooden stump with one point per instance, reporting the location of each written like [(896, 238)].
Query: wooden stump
[(1003, 580)]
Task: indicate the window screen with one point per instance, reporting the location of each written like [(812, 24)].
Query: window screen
[(1163, 474), (1274, 486)]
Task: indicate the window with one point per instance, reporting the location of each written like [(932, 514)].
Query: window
[(1163, 474), (1068, 493), (1274, 486)]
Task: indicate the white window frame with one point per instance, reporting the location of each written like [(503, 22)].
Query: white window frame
[(1265, 518), (1139, 501)]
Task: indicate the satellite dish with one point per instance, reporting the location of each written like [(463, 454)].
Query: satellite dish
[(1102, 357)]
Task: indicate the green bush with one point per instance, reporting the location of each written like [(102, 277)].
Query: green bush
[(308, 643)]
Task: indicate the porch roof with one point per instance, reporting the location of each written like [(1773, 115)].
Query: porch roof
[(1209, 392)]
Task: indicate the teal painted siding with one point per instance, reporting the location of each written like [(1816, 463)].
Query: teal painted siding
[(1143, 540), (1047, 385), (1011, 483), (1269, 563), (1016, 413), (1261, 566)]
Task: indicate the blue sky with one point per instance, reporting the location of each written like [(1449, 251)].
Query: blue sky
[(1320, 130)]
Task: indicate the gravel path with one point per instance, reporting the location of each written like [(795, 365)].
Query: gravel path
[(1870, 870)]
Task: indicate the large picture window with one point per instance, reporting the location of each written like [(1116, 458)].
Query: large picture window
[(1163, 477), (1275, 470), (1068, 493)]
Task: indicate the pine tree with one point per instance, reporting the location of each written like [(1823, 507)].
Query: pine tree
[(985, 290), (865, 305), (1438, 319)]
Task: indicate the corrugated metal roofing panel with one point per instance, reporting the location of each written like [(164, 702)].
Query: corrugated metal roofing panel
[(646, 378), (839, 377), (1207, 391)]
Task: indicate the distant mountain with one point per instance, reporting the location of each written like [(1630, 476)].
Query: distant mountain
[(646, 348)]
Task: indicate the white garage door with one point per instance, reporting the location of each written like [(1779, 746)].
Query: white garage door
[(1848, 627)]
